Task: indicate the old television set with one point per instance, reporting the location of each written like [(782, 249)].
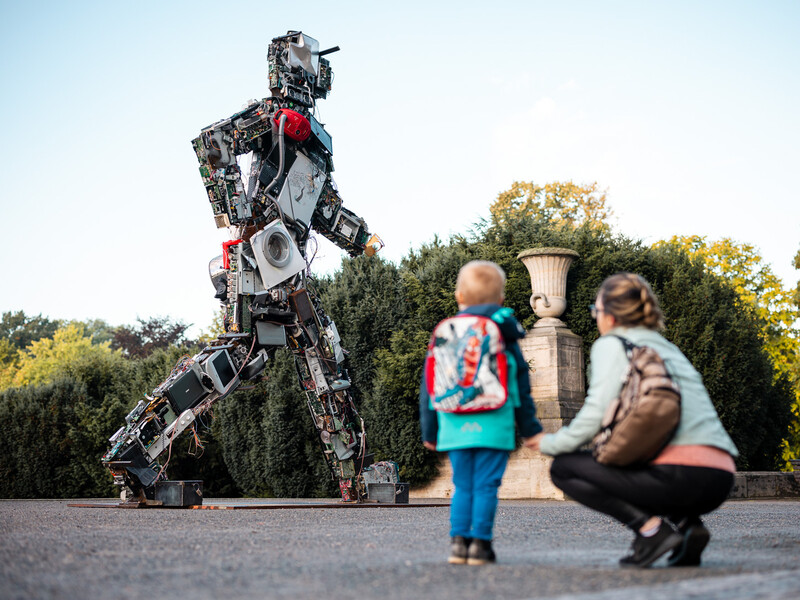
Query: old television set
[(222, 371), (187, 390)]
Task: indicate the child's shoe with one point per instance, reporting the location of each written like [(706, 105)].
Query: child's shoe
[(480, 552), (458, 550)]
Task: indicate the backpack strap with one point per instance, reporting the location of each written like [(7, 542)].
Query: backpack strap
[(501, 316), (629, 346)]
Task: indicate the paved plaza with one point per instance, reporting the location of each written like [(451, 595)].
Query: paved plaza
[(546, 549)]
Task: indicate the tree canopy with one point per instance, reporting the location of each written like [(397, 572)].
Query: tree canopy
[(68, 353), (562, 202), (777, 308), (149, 335), (20, 330)]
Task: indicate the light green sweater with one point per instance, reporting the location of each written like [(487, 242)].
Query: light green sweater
[(608, 364)]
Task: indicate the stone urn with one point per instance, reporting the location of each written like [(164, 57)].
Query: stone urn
[(548, 270)]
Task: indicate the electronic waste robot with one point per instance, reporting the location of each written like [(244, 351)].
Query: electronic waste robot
[(267, 173)]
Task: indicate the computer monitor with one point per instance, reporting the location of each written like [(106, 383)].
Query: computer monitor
[(222, 371), (187, 390)]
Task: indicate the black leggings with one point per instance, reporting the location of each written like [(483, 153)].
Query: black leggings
[(633, 495)]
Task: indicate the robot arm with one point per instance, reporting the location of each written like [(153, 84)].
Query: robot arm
[(344, 228), (217, 147)]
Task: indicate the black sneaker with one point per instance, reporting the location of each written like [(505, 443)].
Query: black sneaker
[(695, 539), (458, 550), (647, 550), (480, 552)]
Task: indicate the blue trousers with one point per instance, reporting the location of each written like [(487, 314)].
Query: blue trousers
[(477, 473)]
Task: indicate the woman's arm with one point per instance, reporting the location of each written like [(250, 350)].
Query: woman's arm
[(608, 364)]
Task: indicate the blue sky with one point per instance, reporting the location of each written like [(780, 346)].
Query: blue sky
[(685, 111)]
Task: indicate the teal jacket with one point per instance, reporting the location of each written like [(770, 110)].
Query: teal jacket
[(699, 423), (493, 428)]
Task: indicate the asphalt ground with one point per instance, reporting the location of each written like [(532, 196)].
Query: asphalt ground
[(546, 549)]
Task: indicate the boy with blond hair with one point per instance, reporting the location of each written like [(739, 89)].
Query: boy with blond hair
[(478, 440)]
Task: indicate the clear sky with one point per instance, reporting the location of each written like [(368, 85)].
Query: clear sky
[(687, 112)]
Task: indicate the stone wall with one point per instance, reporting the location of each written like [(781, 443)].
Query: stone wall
[(766, 484), (527, 476)]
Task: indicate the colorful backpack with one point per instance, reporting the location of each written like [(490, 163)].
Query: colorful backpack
[(466, 369)]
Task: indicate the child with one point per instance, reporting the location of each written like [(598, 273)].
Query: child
[(479, 443)]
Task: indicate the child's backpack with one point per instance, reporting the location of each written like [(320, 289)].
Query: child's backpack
[(466, 369)]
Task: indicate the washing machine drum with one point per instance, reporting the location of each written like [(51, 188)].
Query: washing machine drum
[(278, 248)]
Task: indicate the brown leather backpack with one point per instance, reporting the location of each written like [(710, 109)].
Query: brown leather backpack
[(643, 418)]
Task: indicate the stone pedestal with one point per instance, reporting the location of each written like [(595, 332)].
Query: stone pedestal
[(555, 359)]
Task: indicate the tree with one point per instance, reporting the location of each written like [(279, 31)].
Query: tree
[(216, 328), (720, 335), (560, 202), (759, 287), (97, 330), (268, 440), (776, 308), (149, 335), (69, 354), (9, 358), (365, 301), (392, 410), (20, 330), (796, 294), (792, 445)]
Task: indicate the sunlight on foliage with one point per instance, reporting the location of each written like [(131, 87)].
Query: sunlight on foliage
[(562, 202), (68, 353), (775, 306)]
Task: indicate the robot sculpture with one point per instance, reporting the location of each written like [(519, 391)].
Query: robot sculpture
[(270, 205)]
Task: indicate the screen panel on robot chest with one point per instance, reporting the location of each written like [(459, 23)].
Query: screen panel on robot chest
[(301, 190)]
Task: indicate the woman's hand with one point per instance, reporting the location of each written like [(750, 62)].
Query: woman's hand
[(430, 446)]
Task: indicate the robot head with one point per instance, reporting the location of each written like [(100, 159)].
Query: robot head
[(304, 53), (297, 71)]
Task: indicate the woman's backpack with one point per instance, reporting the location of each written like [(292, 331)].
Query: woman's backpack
[(641, 421)]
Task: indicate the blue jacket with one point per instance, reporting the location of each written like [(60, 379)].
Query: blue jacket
[(489, 429)]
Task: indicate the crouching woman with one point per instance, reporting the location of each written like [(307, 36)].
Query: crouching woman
[(663, 500)]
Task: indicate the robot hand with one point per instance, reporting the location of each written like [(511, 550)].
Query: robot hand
[(374, 244)]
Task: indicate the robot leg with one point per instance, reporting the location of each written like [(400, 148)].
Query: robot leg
[(193, 386), (318, 357)]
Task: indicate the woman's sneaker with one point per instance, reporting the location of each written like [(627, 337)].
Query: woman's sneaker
[(459, 547), (480, 552), (647, 550), (695, 539)]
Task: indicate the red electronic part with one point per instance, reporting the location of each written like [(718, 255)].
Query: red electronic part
[(226, 262), (297, 126)]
